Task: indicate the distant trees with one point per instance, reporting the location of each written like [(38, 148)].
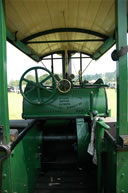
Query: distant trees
[(30, 77), (110, 76), (107, 77), (14, 83)]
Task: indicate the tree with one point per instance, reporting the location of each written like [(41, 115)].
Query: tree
[(30, 77), (14, 83)]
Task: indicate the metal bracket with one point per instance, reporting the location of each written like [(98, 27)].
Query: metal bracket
[(5, 151), (117, 54), (124, 139), (15, 34)]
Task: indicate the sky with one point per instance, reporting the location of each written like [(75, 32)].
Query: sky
[(18, 63)]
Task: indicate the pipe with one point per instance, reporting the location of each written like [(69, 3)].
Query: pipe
[(60, 138), (21, 135)]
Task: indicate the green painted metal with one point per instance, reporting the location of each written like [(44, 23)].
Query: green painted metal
[(109, 166), (122, 70), (122, 171), (59, 30), (83, 138), (37, 86), (100, 127), (19, 172), (22, 47), (6, 177), (75, 103), (122, 97), (4, 120), (24, 164), (109, 113), (104, 48)]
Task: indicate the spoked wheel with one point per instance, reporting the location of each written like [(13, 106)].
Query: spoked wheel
[(37, 86)]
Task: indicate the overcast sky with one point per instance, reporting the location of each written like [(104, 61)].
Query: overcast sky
[(17, 63)]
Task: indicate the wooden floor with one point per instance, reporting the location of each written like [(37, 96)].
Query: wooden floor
[(67, 181)]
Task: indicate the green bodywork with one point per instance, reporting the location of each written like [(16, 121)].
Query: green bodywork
[(100, 127), (83, 138), (75, 103), (19, 171), (122, 98), (122, 70), (122, 171), (23, 164), (24, 48), (109, 165), (4, 118)]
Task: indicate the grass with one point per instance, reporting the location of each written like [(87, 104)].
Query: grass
[(15, 104), (111, 95)]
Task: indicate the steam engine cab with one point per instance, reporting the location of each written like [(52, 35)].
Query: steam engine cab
[(66, 106)]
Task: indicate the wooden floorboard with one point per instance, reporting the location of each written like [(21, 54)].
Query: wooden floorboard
[(75, 181)]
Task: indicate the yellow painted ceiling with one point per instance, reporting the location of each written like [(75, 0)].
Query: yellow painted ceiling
[(28, 17)]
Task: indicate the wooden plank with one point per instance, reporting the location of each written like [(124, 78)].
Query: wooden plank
[(63, 181)]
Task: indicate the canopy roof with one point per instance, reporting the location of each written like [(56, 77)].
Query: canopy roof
[(41, 27)]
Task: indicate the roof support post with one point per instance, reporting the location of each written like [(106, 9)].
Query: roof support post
[(63, 64), (66, 60), (122, 99), (52, 68), (5, 183), (4, 118), (122, 70), (80, 62)]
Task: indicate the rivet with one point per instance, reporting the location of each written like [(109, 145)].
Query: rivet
[(122, 191), (123, 174), (4, 175), (6, 191)]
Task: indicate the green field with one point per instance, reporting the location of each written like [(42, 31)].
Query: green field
[(112, 99), (15, 104)]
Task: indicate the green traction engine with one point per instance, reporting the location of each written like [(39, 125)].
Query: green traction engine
[(66, 111)]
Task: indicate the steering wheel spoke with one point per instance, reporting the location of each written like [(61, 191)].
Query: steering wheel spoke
[(45, 79), (36, 75), (29, 81), (38, 95), (45, 88), (30, 90)]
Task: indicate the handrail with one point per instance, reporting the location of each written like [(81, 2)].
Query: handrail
[(95, 85), (6, 149), (9, 147), (21, 135)]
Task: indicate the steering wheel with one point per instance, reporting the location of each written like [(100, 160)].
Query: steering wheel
[(38, 86), (64, 85)]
